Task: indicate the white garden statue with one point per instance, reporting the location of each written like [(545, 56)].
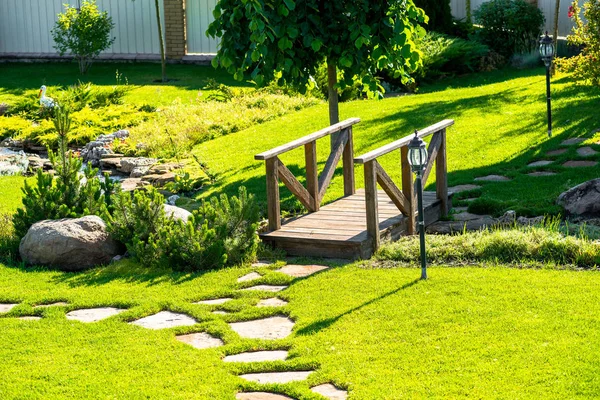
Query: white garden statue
[(46, 102)]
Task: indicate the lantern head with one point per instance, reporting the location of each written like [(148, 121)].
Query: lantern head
[(417, 154), (547, 49)]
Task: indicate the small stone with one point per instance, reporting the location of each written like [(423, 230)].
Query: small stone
[(330, 392), (493, 178), (57, 304), (219, 312), (159, 180), (460, 209), (258, 356), (249, 277), (272, 302), (463, 188), (179, 213), (128, 164), (262, 264), (164, 168), (557, 152), (172, 200), (165, 320), (138, 172), (572, 141), (261, 396), (267, 288), (4, 308), (130, 184), (586, 151), (214, 301), (448, 227), (272, 328), (30, 318), (579, 164), (93, 314), (200, 340), (277, 377), (466, 216), (541, 163), (541, 173), (301, 271), (114, 163)]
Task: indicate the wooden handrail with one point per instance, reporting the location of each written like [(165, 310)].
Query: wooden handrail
[(402, 142), (307, 139)]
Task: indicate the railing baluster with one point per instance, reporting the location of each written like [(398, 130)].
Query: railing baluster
[(273, 207), (348, 162), (371, 205), (408, 188), (312, 175), (441, 174)]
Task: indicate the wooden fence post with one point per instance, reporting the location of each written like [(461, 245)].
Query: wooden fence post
[(371, 202), (273, 207), (312, 176), (348, 162), (408, 188), (441, 174)]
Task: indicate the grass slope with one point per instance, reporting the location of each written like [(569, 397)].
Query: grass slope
[(500, 128), (476, 332), (10, 193)]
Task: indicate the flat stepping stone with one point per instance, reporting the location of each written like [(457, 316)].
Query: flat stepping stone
[(4, 308), (30, 318), (258, 356), (493, 178), (57, 304), (330, 392), (579, 164), (541, 173), (277, 377), (271, 328), (267, 288), (261, 396), (249, 277), (541, 163), (586, 151), (262, 264), (463, 188), (219, 312), (301, 271), (93, 314), (200, 340), (272, 302), (165, 320), (557, 152), (470, 199), (214, 301), (572, 141), (466, 216), (460, 209)]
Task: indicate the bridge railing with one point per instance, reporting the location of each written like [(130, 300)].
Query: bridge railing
[(316, 186), (405, 199)]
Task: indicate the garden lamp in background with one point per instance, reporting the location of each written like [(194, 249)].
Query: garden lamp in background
[(547, 54), (417, 158)]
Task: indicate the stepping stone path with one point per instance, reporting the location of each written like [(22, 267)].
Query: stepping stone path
[(541, 173), (572, 141), (30, 318), (331, 392), (557, 152), (250, 277), (258, 356), (463, 188), (541, 163), (57, 304), (200, 340), (586, 151), (219, 312), (267, 288), (214, 301), (493, 178), (93, 314), (272, 302), (165, 320), (277, 377), (271, 328), (4, 308), (579, 164), (261, 264), (261, 396), (300, 271)]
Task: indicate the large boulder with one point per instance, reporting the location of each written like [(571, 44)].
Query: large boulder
[(69, 244), (582, 200)]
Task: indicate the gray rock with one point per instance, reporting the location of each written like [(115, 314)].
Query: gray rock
[(493, 178), (128, 164), (582, 200), (69, 244), (171, 200), (138, 172), (13, 162), (586, 151), (177, 213), (446, 227)]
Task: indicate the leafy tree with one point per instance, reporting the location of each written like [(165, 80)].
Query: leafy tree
[(84, 32), (161, 41), (287, 40), (439, 13)]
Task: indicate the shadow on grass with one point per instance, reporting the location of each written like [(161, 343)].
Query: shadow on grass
[(326, 323)]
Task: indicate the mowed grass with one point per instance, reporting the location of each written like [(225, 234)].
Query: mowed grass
[(500, 127), (10, 193), (467, 332)]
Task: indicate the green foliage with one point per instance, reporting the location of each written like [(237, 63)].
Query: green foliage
[(586, 35), (509, 26), (184, 183), (439, 13), (287, 40), (9, 241), (83, 32)]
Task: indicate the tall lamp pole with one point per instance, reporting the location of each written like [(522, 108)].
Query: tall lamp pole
[(417, 158), (547, 54)]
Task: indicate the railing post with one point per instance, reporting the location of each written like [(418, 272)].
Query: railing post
[(408, 188), (371, 202), (312, 176), (441, 174), (273, 207), (348, 161)]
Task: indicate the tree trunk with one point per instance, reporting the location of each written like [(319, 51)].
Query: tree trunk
[(161, 41), (468, 11), (555, 34), (334, 111)]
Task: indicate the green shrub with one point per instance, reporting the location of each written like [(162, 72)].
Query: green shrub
[(9, 241), (439, 13), (509, 26), (83, 32)]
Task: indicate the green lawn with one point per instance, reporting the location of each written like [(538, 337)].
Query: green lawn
[(467, 332), (500, 127), (10, 193)]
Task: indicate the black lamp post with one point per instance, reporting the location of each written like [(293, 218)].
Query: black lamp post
[(417, 158), (547, 54)]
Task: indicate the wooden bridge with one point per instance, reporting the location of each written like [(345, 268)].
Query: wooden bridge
[(354, 225)]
